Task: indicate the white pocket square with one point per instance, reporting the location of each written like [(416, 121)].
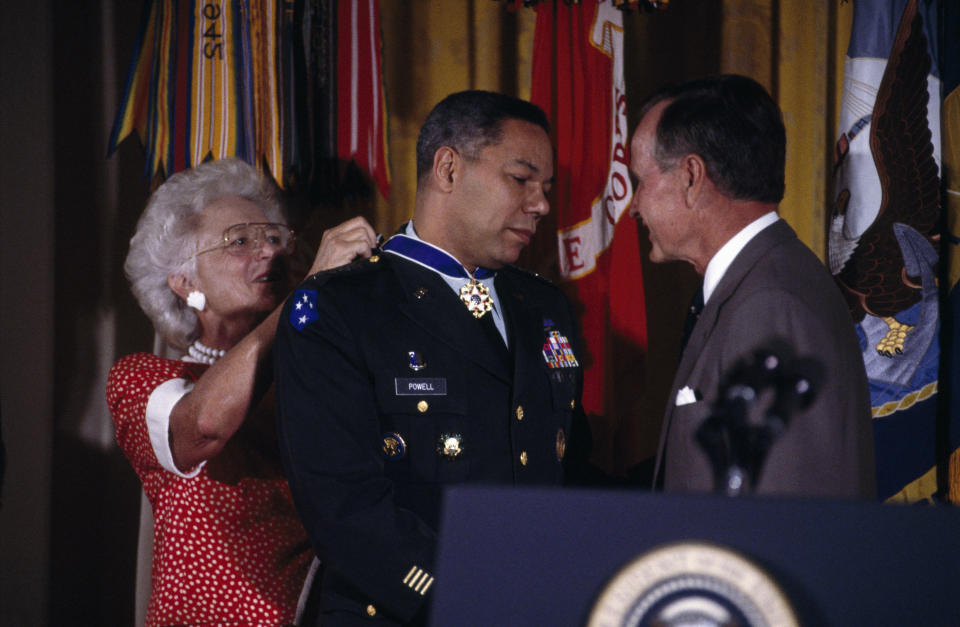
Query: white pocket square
[(686, 396)]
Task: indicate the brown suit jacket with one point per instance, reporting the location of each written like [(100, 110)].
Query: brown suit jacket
[(776, 288)]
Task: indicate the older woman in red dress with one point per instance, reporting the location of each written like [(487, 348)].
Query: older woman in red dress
[(209, 265)]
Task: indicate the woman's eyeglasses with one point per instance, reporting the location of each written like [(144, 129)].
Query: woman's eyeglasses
[(249, 237)]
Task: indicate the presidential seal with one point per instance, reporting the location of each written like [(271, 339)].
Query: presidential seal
[(691, 583)]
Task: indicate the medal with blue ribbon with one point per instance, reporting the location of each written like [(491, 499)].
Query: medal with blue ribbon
[(474, 294)]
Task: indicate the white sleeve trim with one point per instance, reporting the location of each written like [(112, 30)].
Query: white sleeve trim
[(159, 406)]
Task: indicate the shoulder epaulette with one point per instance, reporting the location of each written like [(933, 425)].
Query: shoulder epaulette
[(531, 275), (360, 266)]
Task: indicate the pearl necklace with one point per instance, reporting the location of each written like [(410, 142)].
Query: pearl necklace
[(204, 354)]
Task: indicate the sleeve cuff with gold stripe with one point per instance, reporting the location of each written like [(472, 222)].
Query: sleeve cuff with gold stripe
[(418, 580)]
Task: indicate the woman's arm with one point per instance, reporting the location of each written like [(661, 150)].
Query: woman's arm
[(204, 420)]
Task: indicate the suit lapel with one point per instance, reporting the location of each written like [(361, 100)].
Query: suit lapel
[(751, 254), (430, 303), (756, 248)]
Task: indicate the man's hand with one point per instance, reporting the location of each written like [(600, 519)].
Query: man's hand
[(344, 243)]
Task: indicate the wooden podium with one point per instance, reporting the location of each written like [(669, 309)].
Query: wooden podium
[(543, 557)]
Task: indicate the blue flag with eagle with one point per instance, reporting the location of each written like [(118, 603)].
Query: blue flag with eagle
[(950, 32), (884, 232)]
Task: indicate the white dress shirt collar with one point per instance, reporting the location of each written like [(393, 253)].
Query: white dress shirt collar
[(721, 261)]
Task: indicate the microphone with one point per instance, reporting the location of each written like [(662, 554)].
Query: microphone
[(756, 400)]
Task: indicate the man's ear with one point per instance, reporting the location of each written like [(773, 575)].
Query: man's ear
[(694, 173), (446, 167), (180, 285)]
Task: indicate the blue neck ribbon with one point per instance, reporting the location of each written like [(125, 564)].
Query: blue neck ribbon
[(432, 257)]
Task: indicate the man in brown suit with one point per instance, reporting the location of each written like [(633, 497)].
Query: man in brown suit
[(708, 156)]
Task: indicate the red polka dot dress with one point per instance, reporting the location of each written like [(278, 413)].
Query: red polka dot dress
[(228, 547)]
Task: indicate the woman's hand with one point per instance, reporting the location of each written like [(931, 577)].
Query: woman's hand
[(204, 420), (344, 243)]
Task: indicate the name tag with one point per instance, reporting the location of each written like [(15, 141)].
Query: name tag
[(420, 387)]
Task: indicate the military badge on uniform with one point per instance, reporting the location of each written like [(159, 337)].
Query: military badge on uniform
[(417, 362), (393, 446), (304, 309), (557, 352), (450, 445), (476, 296)]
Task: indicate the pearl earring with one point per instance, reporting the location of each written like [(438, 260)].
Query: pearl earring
[(197, 300)]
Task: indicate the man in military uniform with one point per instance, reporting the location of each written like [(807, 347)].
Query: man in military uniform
[(433, 362)]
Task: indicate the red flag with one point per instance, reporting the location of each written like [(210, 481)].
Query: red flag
[(361, 106), (578, 80)]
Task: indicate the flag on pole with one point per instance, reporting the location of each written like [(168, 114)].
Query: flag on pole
[(950, 75), (883, 241), (361, 105), (578, 80)]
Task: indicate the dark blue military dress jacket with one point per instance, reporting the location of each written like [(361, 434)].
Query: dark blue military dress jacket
[(389, 389)]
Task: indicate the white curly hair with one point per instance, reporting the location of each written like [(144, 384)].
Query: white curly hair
[(165, 241)]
